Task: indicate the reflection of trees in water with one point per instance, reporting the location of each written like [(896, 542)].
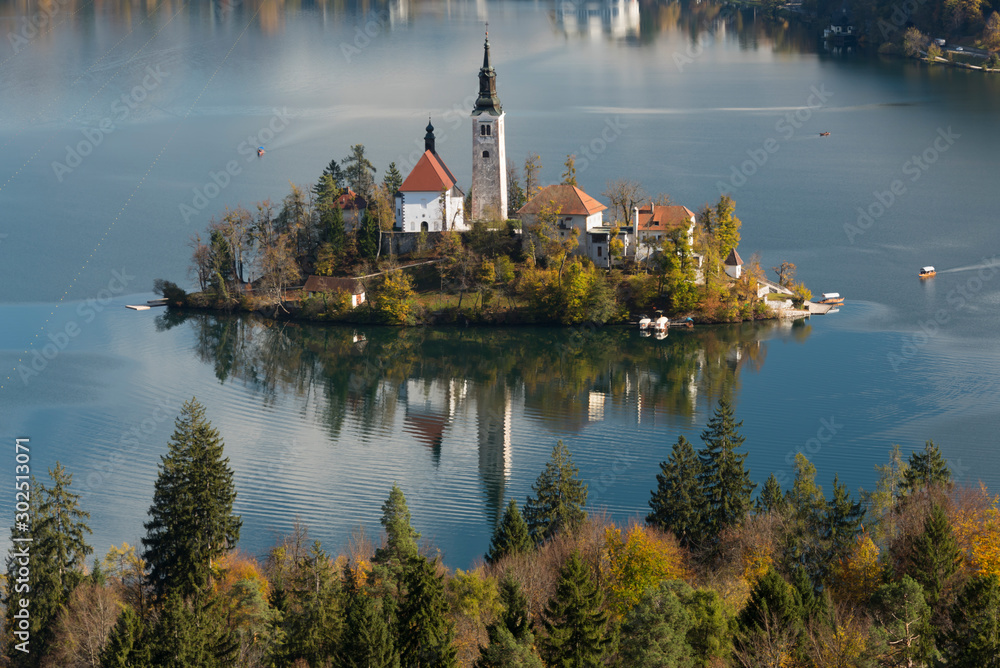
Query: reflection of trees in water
[(429, 376)]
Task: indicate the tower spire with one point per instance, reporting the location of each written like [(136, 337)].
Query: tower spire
[(429, 137), (488, 100)]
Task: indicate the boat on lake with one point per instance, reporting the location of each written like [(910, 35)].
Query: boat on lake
[(831, 298), (824, 134), (661, 323), (644, 322), (927, 272)]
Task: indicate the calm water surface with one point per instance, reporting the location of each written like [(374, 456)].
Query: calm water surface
[(319, 425)]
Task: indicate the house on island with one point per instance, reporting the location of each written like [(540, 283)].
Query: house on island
[(429, 199), (330, 284), (733, 264), (353, 205), (653, 223), (575, 209)]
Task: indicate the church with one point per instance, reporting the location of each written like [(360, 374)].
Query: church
[(430, 200)]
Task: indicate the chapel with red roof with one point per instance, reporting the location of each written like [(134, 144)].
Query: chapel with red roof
[(429, 199)]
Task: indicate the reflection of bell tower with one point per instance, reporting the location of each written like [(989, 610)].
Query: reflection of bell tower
[(493, 412), (489, 157)]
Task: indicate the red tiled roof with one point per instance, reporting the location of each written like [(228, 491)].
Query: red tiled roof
[(571, 201), (351, 200), (664, 217), (429, 175), (733, 259)]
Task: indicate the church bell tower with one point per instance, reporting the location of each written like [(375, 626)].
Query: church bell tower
[(489, 157)]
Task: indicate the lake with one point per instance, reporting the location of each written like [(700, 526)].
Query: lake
[(165, 100)]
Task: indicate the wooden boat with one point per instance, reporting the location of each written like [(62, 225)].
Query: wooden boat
[(824, 134), (644, 322), (831, 298), (661, 323), (260, 151), (927, 272)]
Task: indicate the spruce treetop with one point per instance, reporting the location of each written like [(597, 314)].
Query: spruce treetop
[(401, 539), (511, 535), (559, 497)]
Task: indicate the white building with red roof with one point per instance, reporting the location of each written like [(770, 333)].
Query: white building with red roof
[(429, 199), (653, 223), (574, 209)]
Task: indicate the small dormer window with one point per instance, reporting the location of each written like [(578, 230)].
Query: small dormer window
[(485, 130)]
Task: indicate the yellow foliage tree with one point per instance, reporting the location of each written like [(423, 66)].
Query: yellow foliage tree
[(977, 531), (858, 575), (640, 559)]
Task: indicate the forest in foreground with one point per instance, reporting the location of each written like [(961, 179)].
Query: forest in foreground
[(717, 574)]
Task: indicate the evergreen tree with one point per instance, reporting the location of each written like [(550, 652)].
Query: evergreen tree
[(368, 235), (191, 520), (974, 640), (842, 523), (515, 616), (569, 176), (366, 641), (190, 633), (676, 502), (773, 604), (575, 624), (725, 482), (936, 556), (804, 546), (426, 632), (401, 539), (654, 632), (725, 226), (710, 636), (559, 497), (813, 606), (127, 646), (55, 556), (926, 469), (516, 197), (333, 176), (903, 627), (359, 172), (511, 535), (311, 606), (771, 498), (392, 179), (505, 651)]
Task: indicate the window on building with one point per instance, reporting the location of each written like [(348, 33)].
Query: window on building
[(598, 251), (485, 130), (486, 154)]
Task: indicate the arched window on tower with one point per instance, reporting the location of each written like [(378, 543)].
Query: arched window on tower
[(486, 154), (485, 130)]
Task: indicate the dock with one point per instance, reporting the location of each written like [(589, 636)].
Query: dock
[(148, 305)]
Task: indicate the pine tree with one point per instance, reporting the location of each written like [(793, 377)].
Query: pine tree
[(771, 498), (190, 633), (392, 179), (926, 469), (313, 618), (842, 523), (401, 539), (569, 176), (654, 633), (191, 519), (368, 235), (426, 632), (559, 497), (332, 175), (505, 651), (903, 624), (511, 535), (359, 172), (974, 640), (575, 624), (127, 646), (676, 502), (773, 603), (725, 482), (366, 641), (58, 551), (936, 556)]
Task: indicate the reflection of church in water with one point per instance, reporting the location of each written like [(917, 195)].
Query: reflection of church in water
[(432, 406)]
